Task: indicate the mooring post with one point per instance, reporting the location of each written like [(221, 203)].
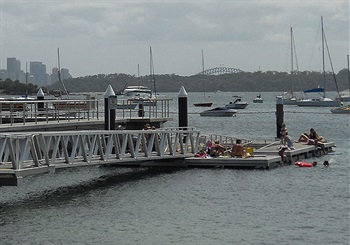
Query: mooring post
[(182, 104), (109, 114), (279, 115), (40, 96)]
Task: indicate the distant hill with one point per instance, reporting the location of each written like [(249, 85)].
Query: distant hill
[(235, 82)]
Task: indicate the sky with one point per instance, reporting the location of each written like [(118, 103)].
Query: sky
[(107, 37)]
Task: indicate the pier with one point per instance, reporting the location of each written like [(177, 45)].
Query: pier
[(38, 137), (27, 115)]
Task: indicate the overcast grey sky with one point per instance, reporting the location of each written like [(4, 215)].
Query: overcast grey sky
[(104, 37)]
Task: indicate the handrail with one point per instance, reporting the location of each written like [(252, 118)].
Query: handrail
[(23, 111), (68, 148)]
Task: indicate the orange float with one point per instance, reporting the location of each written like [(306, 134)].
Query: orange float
[(306, 164)]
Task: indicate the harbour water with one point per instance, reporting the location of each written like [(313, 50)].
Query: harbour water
[(286, 205)]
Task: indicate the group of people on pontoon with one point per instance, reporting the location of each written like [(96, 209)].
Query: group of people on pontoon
[(218, 150), (312, 138)]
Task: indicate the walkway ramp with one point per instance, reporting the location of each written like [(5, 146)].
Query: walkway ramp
[(27, 153)]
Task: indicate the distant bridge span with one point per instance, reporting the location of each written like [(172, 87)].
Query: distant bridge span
[(219, 71)]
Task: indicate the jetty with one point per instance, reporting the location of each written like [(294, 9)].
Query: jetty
[(46, 139)]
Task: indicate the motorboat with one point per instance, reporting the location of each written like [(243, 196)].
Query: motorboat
[(137, 90), (258, 99), (341, 110), (237, 104), (218, 112)]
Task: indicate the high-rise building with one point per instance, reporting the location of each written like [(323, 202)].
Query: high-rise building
[(38, 70), (64, 74), (13, 68)]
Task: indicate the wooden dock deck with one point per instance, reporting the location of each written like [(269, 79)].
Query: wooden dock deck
[(254, 162), (301, 151), (263, 158)]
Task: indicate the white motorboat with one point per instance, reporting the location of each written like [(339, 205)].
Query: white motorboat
[(218, 112), (258, 99), (237, 104), (137, 90)]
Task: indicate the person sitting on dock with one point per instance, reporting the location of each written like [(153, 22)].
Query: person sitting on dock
[(314, 136), (304, 137), (217, 149), (287, 141), (237, 149), (283, 132)]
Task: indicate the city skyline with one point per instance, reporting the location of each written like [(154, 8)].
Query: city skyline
[(115, 36), (36, 73)]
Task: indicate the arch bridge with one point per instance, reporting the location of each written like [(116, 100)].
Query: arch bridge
[(219, 71)]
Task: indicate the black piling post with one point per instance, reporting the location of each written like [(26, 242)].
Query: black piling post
[(182, 104), (279, 115), (108, 115), (40, 96)]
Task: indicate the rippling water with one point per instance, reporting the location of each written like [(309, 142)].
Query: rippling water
[(286, 205)]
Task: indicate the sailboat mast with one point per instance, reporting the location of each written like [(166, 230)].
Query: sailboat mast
[(152, 72), (291, 55), (26, 79), (203, 75), (138, 74), (348, 72), (323, 64), (59, 72)]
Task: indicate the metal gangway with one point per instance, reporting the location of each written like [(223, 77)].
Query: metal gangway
[(30, 153)]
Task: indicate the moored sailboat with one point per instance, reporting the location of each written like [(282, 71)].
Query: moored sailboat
[(343, 109), (322, 101), (289, 97), (203, 103), (345, 94)]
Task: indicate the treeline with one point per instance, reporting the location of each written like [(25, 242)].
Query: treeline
[(240, 82), (269, 81), (10, 87)]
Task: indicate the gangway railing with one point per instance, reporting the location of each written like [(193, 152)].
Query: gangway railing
[(37, 151), (24, 111), (225, 140)]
